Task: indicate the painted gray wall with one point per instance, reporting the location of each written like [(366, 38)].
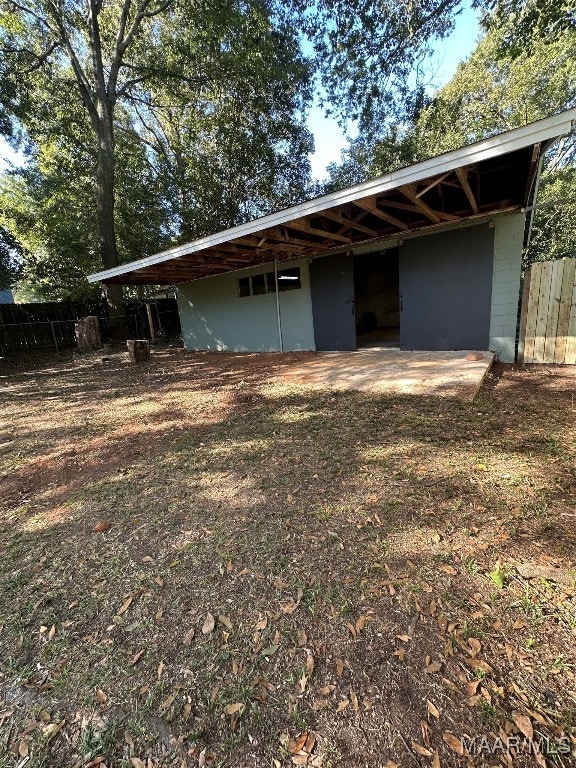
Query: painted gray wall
[(446, 288), (332, 291), (214, 317), (508, 245)]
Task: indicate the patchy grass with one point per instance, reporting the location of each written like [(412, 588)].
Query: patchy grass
[(290, 576)]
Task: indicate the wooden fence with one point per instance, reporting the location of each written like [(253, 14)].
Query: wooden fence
[(50, 325), (548, 316)]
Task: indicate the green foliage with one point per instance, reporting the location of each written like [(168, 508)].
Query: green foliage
[(490, 94), (11, 253), (208, 131), (369, 52), (495, 90)]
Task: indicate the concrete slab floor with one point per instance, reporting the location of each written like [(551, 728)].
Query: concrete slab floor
[(392, 371)]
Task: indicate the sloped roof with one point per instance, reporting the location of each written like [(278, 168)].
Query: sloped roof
[(492, 176)]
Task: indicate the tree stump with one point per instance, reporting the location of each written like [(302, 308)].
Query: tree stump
[(139, 350), (88, 334)]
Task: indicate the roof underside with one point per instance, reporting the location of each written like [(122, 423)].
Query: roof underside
[(432, 196)]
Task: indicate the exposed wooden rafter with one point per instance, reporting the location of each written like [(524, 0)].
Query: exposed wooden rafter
[(433, 183), (409, 191), (533, 170), (348, 223), (462, 174), (369, 204), (303, 225)]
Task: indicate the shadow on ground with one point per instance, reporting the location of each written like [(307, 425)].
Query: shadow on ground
[(344, 544)]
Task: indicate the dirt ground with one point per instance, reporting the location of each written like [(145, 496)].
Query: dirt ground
[(287, 576)]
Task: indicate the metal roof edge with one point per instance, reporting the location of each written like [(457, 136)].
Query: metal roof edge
[(541, 130)]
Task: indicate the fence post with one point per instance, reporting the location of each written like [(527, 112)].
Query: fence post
[(54, 334)]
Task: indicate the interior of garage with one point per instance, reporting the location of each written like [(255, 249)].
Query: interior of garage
[(377, 299)]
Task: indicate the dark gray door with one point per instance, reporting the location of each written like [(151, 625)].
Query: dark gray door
[(446, 290), (332, 291)]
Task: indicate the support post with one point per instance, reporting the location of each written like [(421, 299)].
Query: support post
[(150, 323), (278, 313), (54, 334)]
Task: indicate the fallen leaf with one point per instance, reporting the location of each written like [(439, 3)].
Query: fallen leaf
[(168, 701), (262, 624), (432, 710), (445, 568), (519, 624), (436, 761), (50, 730), (310, 743), (326, 690), (498, 575), (125, 605), (137, 763), (472, 687), (479, 664), (404, 638), (209, 624), (400, 653), (453, 742), (231, 709), (420, 750), (101, 526), (296, 744), (188, 637), (225, 621), (101, 697), (354, 700), (342, 705), (435, 666), (52, 633), (524, 725), (270, 651), (160, 670), (23, 749), (136, 658), (309, 664), (302, 638), (6, 713), (391, 764), (339, 667), (475, 646)]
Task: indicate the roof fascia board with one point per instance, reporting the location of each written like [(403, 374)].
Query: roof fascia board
[(503, 143)]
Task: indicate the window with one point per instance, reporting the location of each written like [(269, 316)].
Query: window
[(258, 285), (288, 280), (244, 286)]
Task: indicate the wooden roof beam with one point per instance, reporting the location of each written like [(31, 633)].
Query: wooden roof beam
[(347, 224), (304, 226), (409, 191), (369, 204), (433, 183), (462, 174)]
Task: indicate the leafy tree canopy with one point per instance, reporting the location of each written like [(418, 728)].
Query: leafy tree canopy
[(11, 253)]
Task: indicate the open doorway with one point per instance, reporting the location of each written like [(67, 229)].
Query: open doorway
[(377, 299)]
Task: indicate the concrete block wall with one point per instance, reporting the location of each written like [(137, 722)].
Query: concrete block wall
[(508, 244), (214, 317)]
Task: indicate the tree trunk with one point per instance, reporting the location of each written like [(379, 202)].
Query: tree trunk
[(105, 203), (139, 350), (88, 334)]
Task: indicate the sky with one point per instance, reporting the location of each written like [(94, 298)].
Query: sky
[(330, 140)]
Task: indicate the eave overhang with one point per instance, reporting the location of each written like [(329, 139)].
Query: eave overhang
[(487, 178)]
